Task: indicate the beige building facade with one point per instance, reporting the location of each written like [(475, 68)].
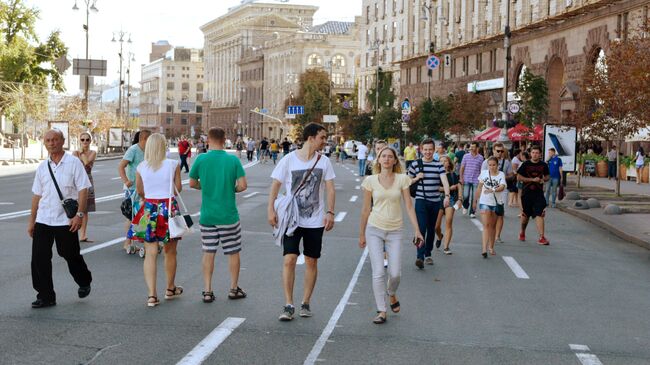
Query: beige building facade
[(558, 40), (226, 41), (172, 93)]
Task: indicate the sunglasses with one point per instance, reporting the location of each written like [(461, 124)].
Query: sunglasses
[(85, 140), (499, 151)]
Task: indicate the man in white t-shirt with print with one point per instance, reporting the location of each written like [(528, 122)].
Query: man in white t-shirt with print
[(313, 218), (362, 155)]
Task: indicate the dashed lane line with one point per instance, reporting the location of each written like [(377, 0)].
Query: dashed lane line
[(101, 245), (583, 355), (477, 223), (340, 216), (207, 346), (515, 267), (331, 324), (358, 187), (354, 198), (251, 194)]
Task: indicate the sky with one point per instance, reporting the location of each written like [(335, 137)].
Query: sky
[(147, 21)]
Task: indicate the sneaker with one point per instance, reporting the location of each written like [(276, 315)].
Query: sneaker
[(305, 312), (464, 211), (385, 263), (439, 242), (522, 236), (428, 260), (419, 264), (447, 251), (472, 215), (83, 291), (498, 240), (543, 241), (40, 303), (287, 313)]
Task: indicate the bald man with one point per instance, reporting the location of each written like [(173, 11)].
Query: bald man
[(49, 223)]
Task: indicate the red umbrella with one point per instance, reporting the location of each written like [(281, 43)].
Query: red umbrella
[(521, 132), (490, 134)]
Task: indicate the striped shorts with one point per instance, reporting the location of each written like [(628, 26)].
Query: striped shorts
[(228, 236)]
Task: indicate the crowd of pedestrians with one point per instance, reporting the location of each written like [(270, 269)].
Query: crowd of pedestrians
[(432, 185)]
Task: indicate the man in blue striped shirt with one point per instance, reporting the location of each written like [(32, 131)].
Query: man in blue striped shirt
[(428, 198)]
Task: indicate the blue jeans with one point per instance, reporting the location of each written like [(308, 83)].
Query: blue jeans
[(469, 189), (611, 169), (362, 167), (427, 214), (551, 188)]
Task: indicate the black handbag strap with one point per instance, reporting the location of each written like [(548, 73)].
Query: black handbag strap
[(496, 201), (306, 176), (54, 180), (421, 182)]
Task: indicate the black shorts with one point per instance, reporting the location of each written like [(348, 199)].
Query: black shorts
[(533, 205), (312, 242)]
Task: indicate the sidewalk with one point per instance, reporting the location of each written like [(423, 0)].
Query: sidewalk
[(32, 164), (632, 227)]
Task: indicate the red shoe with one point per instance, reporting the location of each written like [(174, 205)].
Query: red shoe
[(543, 241), (522, 236)]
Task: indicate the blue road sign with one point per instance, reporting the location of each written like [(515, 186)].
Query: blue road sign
[(406, 117), (265, 111), (433, 62), (296, 109), (406, 105)]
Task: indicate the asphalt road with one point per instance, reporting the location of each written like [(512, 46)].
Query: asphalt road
[(586, 299)]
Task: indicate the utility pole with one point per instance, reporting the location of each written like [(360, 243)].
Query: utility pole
[(506, 47), (331, 64), (432, 46), (89, 6), (120, 39)]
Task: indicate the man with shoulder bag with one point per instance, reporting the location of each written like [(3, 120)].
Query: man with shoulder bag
[(58, 206)]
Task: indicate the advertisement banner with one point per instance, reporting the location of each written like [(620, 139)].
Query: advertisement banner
[(115, 137), (563, 139)]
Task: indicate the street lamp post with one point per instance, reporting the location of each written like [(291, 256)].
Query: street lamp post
[(128, 89), (89, 6), (503, 136), (375, 47), (120, 38)]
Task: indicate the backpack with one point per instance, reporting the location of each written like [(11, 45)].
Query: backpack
[(414, 187)]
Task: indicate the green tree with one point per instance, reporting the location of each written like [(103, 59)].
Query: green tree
[(387, 124), (466, 113), (533, 92), (313, 93), (386, 95)]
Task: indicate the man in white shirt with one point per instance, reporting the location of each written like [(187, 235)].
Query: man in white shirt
[(362, 155), (305, 174), (48, 222)]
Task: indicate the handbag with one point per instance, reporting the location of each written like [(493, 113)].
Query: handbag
[(561, 194), (179, 225), (126, 207), (70, 206), (413, 188)]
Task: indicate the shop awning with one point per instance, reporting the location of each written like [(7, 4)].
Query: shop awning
[(521, 132), (490, 134)]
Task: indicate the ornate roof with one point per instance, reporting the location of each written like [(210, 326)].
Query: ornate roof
[(332, 27)]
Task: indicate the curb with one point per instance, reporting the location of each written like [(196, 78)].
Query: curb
[(609, 227)]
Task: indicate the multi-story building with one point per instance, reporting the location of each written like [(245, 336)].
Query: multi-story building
[(172, 93), (556, 39), (227, 39), (331, 46), (251, 78)]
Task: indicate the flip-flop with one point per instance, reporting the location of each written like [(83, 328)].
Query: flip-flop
[(86, 240), (395, 307)]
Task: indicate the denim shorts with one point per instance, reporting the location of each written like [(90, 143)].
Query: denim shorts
[(487, 208)]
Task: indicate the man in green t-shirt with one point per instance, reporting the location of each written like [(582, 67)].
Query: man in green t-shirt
[(219, 176)]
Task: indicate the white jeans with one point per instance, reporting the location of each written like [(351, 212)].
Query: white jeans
[(377, 239)]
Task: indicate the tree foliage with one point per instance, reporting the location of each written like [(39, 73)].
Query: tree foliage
[(387, 124), (533, 92), (313, 94), (386, 95), (467, 113)]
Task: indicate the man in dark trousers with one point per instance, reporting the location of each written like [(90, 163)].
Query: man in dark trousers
[(49, 223), (185, 152)]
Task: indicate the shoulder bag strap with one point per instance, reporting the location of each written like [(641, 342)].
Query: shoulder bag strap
[(421, 183), (496, 201), (306, 176), (54, 180)]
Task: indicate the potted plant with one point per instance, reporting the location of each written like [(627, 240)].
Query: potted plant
[(626, 162), (601, 166), (645, 175)]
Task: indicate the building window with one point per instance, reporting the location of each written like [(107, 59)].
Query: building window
[(199, 87), (394, 6), (184, 120), (199, 109), (384, 35), (185, 86), (199, 98), (385, 8), (338, 61), (368, 14), (170, 120), (376, 11), (337, 78), (199, 119), (394, 33), (418, 75), (170, 108), (314, 60), (368, 36), (170, 86), (479, 63), (465, 65)]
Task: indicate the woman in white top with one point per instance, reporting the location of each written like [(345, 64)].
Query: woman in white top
[(639, 156), (381, 226), (489, 194), (150, 225)]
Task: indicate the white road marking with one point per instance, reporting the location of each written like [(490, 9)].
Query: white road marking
[(583, 348), (340, 216), (357, 180), (115, 178), (300, 260), (588, 359), (195, 214), (355, 174), (354, 198), (358, 187), (331, 324), (207, 346), (101, 245), (515, 267), (477, 223), (584, 357), (6, 203), (251, 194)]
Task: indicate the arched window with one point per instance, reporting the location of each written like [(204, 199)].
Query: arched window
[(314, 60), (600, 60), (338, 61)]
